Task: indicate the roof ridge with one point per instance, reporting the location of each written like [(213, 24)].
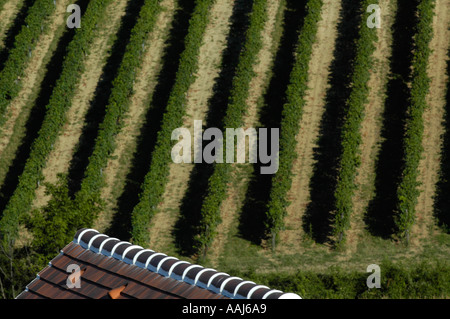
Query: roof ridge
[(168, 266)]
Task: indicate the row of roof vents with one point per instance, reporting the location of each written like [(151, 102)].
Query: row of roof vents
[(167, 266)]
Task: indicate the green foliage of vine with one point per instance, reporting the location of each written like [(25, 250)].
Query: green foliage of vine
[(35, 24), (155, 180), (351, 130), (55, 117), (291, 116), (2, 3), (236, 109), (118, 104), (407, 192)]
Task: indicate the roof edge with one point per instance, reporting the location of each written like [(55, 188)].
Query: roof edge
[(168, 266)]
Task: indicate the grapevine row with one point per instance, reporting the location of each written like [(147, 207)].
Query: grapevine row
[(218, 182), (155, 180), (407, 192), (60, 100), (2, 3), (118, 105), (290, 123), (25, 42), (350, 159)]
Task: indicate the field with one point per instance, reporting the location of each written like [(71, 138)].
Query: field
[(86, 116)]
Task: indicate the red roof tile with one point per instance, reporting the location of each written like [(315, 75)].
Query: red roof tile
[(108, 264)]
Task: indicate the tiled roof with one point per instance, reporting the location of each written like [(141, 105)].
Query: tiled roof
[(109, 268)]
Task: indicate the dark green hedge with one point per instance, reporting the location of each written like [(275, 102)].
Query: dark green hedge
[(60, 101), (155, 180), (291, 116), (407, 192), (2, 3), (35, 24), (422, 280)]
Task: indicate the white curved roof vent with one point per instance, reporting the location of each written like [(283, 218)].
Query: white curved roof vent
[(167, 266)]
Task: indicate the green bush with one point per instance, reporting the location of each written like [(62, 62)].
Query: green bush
[(2, 3), (426, 279)]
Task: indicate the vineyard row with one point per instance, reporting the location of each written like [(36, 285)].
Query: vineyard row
[(60, 101)]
